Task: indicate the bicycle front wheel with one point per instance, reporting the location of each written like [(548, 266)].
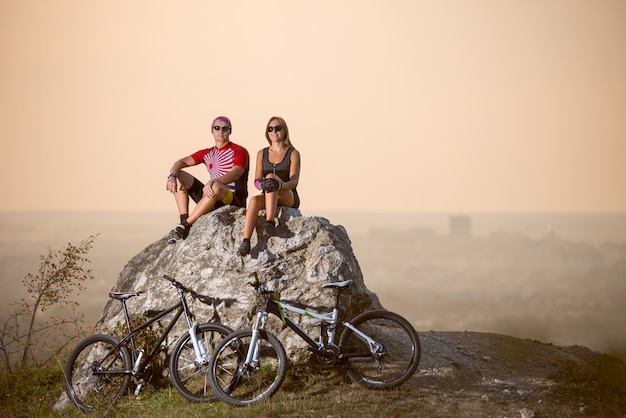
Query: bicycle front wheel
[(391, 360), (190, 375), (97, 373), (239, 383)]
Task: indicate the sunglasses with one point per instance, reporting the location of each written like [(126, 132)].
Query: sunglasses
[(223, 128), (276, 128)]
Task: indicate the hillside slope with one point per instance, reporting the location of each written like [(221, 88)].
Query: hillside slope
[(469, 374)]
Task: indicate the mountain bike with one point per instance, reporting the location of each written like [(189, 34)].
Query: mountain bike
[(379, 349), (99, 369)]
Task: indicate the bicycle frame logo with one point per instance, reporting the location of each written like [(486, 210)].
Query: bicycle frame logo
[(330, 318)]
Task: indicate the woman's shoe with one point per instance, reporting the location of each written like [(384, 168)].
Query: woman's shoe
[(269, 229), (244, 248)]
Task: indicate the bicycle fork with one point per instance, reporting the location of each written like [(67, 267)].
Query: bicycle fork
[(201, 354), (254, 350), (250, 363)]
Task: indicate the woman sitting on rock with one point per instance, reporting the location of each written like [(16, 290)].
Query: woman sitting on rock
[(277, 173)]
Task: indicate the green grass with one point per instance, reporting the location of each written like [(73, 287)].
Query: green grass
[(30, 393), (311, 391), (305, 393)]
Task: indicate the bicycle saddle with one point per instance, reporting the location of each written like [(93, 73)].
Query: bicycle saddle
[(123, 295), (345, 283)]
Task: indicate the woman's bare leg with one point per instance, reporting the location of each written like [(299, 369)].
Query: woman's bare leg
[(252, 212)]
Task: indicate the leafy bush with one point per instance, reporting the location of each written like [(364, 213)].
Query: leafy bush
[(27, 338)]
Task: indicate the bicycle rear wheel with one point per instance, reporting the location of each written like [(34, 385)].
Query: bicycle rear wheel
[(398, 355), (97, 373), (190, 377), (239, 383)]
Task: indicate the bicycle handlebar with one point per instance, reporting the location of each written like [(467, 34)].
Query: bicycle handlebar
[(209, 300), (256, 283), (260, 287)]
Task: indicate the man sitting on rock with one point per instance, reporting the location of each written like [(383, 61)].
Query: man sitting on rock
[(228, 165)]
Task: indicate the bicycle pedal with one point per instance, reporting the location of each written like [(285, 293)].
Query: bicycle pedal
[(138, 389)]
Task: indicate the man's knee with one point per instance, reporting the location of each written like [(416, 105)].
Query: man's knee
[(181, 187), (219, 190), (185, 180)]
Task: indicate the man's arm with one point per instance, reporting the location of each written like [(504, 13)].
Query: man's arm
[(241, 161), (232, 176), (180, 164), (172, 185)]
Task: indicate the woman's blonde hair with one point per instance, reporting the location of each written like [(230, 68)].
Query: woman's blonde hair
[(283, 124)]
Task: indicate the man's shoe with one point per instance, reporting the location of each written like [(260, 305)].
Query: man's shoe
[(179, 233), (244, 248), (269, 229)]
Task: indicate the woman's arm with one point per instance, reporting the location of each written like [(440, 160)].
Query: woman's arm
[(294, 171), (258, 171)]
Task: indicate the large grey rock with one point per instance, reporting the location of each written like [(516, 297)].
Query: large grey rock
[(305, 253)]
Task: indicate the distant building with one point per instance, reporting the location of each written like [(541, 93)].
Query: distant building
[(460, 225), (550, 232)]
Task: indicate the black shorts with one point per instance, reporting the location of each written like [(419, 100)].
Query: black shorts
[(196, 193), (296, 199)]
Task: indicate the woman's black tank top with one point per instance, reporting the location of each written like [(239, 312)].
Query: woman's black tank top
[(281, 170)]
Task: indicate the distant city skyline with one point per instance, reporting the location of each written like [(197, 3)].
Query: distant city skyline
[(402, 106), (506, 261)]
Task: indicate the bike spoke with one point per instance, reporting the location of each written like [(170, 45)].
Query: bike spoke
[(95, 375), (240, 383), (393, 357)]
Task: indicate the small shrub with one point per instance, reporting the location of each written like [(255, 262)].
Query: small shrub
[(29, 340), (146, 339)]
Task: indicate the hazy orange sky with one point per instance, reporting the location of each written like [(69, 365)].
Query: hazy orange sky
[(447, 105)]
